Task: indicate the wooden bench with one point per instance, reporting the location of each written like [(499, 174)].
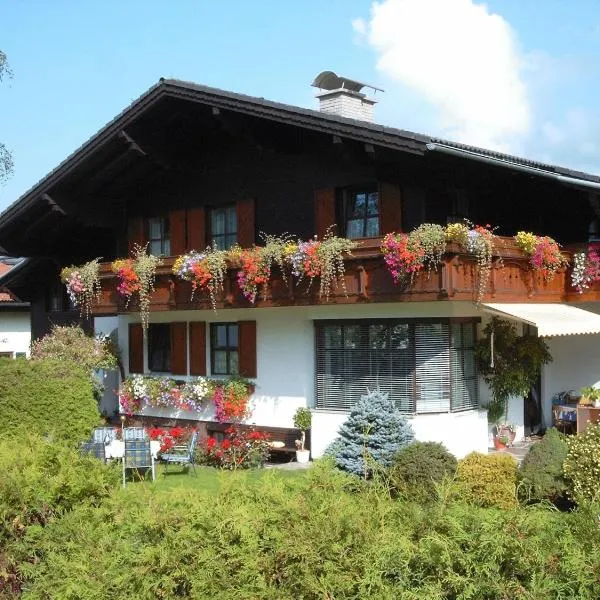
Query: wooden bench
[(287, 435)]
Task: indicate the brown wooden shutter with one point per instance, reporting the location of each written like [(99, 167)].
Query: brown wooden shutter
[(324, 210), (196, 228), (136, 348), (246, 234), (179, 349), (198, 348), (135, 232), (390, 208), (177, 232), (247, 348)]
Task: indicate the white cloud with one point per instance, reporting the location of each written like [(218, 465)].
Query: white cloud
[(460, 58)]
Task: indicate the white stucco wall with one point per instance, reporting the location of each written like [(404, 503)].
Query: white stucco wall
[(285, 366), (15, 332), (461, 432)]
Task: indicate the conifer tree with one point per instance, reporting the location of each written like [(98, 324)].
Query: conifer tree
[(374, 431)]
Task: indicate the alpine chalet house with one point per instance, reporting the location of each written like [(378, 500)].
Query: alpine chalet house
[(186, 167)]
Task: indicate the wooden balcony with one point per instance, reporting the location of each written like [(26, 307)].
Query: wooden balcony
[(367, 280)]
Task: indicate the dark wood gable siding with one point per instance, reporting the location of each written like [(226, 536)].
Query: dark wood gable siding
[(390, 207), (177, 231), (325, 213)]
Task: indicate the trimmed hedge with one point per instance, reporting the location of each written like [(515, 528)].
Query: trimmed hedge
[(318, 536), (46, 397), (418, 467), (541, 472), (487, 480), (42, 481)]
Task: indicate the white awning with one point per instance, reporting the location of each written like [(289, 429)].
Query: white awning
[(550, 319)]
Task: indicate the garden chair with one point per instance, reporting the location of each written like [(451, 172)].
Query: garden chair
[(181, 455), (93, 448), (103, 434), (138, 455)]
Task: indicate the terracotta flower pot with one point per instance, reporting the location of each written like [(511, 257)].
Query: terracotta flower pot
[(499, 444)]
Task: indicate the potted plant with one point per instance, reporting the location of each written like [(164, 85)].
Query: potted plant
[(302, 421), (590, 396), (504, 436)]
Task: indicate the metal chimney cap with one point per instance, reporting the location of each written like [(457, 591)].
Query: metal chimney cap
[(328, 80)]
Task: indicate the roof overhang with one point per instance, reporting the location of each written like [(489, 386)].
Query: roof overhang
[(550, 319)]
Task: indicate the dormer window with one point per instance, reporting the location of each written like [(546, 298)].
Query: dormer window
[(158, 236), (362, 213)]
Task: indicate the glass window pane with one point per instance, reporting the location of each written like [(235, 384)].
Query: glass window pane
[(231, 220), (333, 336), (354, 229), (220, 362), (373, 205), (352, 336), (156, 247), (468, 340), (233, 363), (400, 337), (457, 335), (221, 336), (155, 228), (219, 242), (229, 241), (166, 248), (379, 338), (372, 227), (357, 210), (233, 336), (218, 222), (469, 362)]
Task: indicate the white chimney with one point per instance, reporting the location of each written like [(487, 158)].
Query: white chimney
[(343, 96)]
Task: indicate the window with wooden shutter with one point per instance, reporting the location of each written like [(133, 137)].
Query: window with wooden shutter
[(410, 360), (198, 348), (196, 229), (325, 214), (361, 213), (390, 201), (177, 232), (179, 349), (135, 232), (224, 227), (136, 348), (247, 348), (246, 226)]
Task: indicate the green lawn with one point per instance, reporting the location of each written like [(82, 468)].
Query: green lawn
[(209, 479)]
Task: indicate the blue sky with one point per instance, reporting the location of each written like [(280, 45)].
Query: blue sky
[(518, 75)]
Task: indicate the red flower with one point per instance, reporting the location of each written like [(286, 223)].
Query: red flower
[(211, 442), (225, 444)]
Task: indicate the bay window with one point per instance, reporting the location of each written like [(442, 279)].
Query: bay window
[(425, 366)]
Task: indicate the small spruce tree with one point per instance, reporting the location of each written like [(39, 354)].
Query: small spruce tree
[(374, 431)]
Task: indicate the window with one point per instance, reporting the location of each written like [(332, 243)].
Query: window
[(57, 299), (361, 213), (20, 354), (159, 347), (224, 348), (158, 236), (6, 355), (223, 227), (425, 366)]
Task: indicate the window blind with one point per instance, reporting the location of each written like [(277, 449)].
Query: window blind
[(421, 365)]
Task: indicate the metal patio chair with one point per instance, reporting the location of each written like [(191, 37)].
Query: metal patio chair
[(104, 434), (137, 455), (92, 448), (181, 455)]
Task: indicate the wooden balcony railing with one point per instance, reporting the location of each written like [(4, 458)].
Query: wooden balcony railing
[(367, 280)]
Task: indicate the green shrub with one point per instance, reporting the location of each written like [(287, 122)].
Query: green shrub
[(418, 467), (541, 472), (46, 397), (324, 535), (582, 464), (41, 481), (487, 480)]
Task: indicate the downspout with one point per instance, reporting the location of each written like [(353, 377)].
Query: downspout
[(498, 162)]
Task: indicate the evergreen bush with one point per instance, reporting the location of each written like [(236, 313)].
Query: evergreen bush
[(418, 467), (47, 397), (582, 464), (541, 474), (487, 480), (307, 537), (372, 435)]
